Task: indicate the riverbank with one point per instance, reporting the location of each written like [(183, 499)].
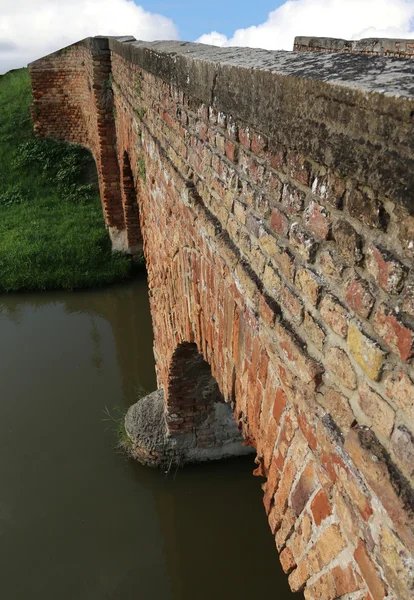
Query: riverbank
[(52, 232)]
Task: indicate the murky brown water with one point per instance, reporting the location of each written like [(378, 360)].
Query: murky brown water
[(77, 520)]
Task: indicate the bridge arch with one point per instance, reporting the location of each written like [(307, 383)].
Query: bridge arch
[(200, 423)]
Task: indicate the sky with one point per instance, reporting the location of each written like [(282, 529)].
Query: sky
[(30, 29)]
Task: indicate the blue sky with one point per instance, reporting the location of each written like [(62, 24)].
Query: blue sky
[(30, 29), (196, 18)]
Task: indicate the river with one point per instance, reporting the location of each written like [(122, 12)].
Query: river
[(78, 521)]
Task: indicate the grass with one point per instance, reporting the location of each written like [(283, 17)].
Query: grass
[(116, 418), (52, 232)]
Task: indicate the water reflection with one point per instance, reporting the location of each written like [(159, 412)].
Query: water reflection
[(77, 520)]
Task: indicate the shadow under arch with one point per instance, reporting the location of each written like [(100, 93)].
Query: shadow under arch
[(190, 423), (130, 207)]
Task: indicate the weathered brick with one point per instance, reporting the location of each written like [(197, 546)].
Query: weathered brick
[(348, 241), (321, 507), (326, 548), (402, 441), (301, 536), (323, 587), (287, 560), (365, 207), (345, 580), (366, 352), (317, 220), (387, 271), (331, 265), (408, 299), (314, 331), (369, 572), (304, 488), (299, 576), (292, 305), (377, 410), (298, 168), (279, 222), (293, 199), (334, 314), (330, 188), (359, 297), (398, 336), (286, 528), (305, 244), (309, 284), (338, 406), (272, 281), (400, 388), (338, 363), (307, 369)]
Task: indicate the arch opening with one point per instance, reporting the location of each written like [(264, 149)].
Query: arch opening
[(200, 422), (190, 423)]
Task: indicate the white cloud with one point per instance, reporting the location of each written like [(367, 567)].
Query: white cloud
[(30, 29), (349, 19)]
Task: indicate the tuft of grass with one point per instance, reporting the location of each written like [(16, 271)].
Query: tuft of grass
[(116, 419), (52, 231)]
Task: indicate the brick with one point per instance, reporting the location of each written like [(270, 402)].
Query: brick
[(309, 284), (299, 576), (396, 562), (301, 536), (286, 528), (329, 545), (259, 144), (402, 443), (387, 271), (344, 580), (293, 199), (298, 168), (322, 588), (367, 209), (331, 265), (377, 410), (287, 560), (321, 507), (348, 241), (369, 572), (408, 299), (400, 389), (366, 352), (305, 244), (230, 149), (304, 488), (279, 404), (359, 297), (398, 336), (314, 331), (292, 305), (272, 281), (245, 137), (338, 363), (338, 406), (334, 314), (307, 369), (317, 220), (279, 222), (330, 188)]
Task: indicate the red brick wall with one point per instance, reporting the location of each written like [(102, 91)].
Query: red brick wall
[(284, 252)]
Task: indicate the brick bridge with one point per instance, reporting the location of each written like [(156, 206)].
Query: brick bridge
[(272, 193)]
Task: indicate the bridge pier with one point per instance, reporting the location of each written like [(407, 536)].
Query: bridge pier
[(193, 424)]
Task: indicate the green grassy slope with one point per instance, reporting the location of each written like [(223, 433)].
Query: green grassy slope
[(52, 233)]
